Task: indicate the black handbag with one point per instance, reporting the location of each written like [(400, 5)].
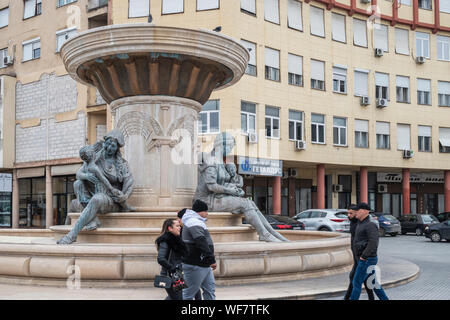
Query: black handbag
[(163, 282)]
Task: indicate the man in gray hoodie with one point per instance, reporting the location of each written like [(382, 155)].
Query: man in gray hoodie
[(199, 261)]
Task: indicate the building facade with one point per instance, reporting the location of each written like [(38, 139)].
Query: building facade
[(351, 100)]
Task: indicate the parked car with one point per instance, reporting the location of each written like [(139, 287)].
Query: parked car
[(324, 219), (438, 231), (443, 216), (374, 219), (388, 224), (284, 223), (416, 223), (281, 222)]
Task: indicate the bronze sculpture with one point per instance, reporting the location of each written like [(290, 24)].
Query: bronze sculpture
[(104, 183)]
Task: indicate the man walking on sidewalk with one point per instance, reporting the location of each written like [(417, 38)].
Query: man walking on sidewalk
[(199, 262), (352, 209), (365, 247)]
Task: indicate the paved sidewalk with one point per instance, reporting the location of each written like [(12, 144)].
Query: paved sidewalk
[(394, 272)]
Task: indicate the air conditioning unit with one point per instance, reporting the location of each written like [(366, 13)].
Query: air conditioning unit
[(300, 145), (365, 1), (420, 60), (382, 188), (8, 61), (365, 101), (381, 103), (408, 154), (292, 172), (379, 52), (338, 188), (252, 137)]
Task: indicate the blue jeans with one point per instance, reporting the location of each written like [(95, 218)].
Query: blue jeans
[(198, 277), (362, 273)]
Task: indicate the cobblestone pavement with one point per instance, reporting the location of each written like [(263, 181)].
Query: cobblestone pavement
[(433, 260)]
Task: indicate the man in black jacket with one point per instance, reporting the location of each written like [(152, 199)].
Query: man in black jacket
[(365, 246), (352, 209), (199, 261)]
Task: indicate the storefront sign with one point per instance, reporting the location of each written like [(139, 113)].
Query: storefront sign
[(260, 167), (414, 177), (5, 182)]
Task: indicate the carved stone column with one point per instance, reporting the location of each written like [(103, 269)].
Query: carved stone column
[(160, 144)]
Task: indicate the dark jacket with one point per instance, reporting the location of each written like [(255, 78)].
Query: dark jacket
[(365, 244), (170, 252), (353, 225), (200, 247)]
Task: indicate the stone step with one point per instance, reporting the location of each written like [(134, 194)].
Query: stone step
[(156, 219), (149, 235)]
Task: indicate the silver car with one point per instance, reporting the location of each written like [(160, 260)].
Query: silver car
[(324, 219)]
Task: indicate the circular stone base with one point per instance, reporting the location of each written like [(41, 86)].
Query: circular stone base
[(309, 254)]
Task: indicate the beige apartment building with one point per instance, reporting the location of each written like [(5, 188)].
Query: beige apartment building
[(342, 101)]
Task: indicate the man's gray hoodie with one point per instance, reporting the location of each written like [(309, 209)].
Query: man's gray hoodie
[(199, 244)]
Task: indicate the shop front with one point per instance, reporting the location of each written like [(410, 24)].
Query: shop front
[(5, 200)]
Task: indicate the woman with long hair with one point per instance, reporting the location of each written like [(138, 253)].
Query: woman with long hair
[(170, 251)]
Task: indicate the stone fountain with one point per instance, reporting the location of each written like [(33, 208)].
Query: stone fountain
[(155, 80)]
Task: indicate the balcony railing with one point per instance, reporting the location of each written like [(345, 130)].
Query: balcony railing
[(96, 4)]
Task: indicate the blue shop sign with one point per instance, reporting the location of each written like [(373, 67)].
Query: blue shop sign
[(260, 167)]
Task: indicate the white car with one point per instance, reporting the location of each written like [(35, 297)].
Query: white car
[(324, 219)]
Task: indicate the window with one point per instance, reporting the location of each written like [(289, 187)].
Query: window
[(62, 36), (444, 6), (248, 6), (295, 125), (295, 70), (407, 2), (207, 5), (444, 140), (31, 49), (64, 2), (361, 82), (361, 133), (339, 131), (317, 75), (403, 137), (4, 17), (32, 8), (444, 94), (340, 79), (316, 21), (271, 11), (443, 48), (272, 69), (172, 6), (401, 41), (359, 32), (295, 15), (138, 8), (424, 138), (317, 128), (380, 36), (272, 122), (338, 27), (382, 135), (251, 47), (248, 117), (3, 53), (381, 85), (425, 4), (423, 91), (422, 44), (402, 88), (209, 117)]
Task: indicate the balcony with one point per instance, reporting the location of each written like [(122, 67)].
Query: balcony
[(96, 4)]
